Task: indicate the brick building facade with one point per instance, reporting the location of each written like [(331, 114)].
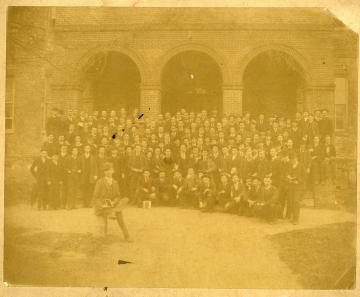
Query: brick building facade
[(48, 50)]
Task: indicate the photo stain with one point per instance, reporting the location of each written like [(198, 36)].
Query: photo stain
[(120, 262), (140, 116)]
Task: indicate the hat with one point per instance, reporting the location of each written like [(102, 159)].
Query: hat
[(107, 166), (255, 176), (249, 177)]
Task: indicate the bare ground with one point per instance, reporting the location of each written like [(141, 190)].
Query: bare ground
[(171, 247)]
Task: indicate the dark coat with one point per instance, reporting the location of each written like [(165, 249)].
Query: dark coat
[(56, 173), (104, 191), (275, 169), (296, 174), (88, 173), (326, 127), (73, 169), (40, 170), (262, 168), (50, 148), (225, 164), (269, 196)]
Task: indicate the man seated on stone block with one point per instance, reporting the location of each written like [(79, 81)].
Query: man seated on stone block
[(108, 203)]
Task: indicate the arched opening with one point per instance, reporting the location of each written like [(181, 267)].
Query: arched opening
[(191, 80), (113, 81), (274, 83)]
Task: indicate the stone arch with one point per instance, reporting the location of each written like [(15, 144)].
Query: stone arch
[(193, 47), (276, 87), (254, 52), (135, 57), (192, 80), (95, 57)]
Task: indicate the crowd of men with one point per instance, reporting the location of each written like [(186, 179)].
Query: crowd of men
[(253, 166)]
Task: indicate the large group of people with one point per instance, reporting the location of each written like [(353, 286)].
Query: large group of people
[(252, 166)]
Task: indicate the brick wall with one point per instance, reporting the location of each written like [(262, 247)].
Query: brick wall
[(151, 36)]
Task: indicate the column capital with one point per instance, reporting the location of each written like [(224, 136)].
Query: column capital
[(65, 87), (150, 99), (150, 86), (232, 87), (321, 86)]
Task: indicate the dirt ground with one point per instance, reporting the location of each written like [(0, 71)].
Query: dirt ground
[(171, 247)]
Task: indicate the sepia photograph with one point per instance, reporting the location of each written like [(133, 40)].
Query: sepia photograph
[(180, 147)]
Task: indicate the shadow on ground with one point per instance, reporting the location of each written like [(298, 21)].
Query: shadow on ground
[(32, 257), (318, 256)]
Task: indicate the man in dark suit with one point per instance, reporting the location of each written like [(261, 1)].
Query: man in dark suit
[(207, 194), (326, 125), (236, 161), (295, 179), (136, 166), (40, 170), (50, 146), (207, 166), (163, 190), (73, 170), (183, 159), (63, 157), (146, 189), (295, 134), (225, 161), (55, 181), (223, 191), (261, 124), (262, 165), (114, 159), (275, 167), (108, 203), (123, 170), (89, 175), (234, 204), (53, 123), (267, 206), (329, 162)]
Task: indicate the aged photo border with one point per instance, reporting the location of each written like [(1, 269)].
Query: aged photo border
[(348, 11)]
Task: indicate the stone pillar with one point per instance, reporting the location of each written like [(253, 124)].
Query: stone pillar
[(65, 96), (87, 97), (300, 99), (150, 102), (232, 99), (320, 96)]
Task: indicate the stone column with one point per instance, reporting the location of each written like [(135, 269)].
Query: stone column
[(150, 101), (320, 96), (87, 96), (65, 96), (232, 99)]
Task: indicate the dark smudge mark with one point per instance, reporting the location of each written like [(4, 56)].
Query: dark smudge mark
[(123, 262), (140, 116)]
